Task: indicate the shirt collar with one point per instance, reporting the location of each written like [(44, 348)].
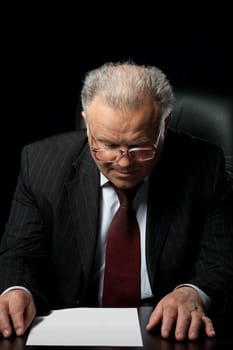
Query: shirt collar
[(104, 180)]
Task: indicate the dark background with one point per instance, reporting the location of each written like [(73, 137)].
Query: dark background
[(46, 52)]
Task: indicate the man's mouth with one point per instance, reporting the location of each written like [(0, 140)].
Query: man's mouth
[(124, 173)]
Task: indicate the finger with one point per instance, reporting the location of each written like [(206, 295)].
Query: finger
[(155, 318), (29, 314), (5, 325), (195, 325), (169, 319), (182, 324), (209, 327), (17, 307), (18, 322)]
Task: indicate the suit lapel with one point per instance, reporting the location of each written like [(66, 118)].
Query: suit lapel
[(83, 194), (160, 212)]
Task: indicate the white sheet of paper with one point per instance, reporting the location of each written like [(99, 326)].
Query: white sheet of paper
[(87, 327)]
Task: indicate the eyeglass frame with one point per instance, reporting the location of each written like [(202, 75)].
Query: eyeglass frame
[(126, 152)]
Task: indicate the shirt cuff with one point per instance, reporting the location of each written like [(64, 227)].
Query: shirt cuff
[(206, 299), (16, 287)]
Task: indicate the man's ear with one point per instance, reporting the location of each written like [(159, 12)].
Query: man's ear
[(85, 121), (167, 122), (84, 117)]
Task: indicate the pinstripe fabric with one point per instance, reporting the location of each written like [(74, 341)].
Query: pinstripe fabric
[(51, 234)]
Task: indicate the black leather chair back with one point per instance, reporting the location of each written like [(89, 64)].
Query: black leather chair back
[(208, 116)]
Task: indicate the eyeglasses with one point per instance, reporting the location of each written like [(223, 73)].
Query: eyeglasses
[(138, 154)]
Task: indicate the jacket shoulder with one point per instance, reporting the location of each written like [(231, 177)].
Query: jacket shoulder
[(67, 144)]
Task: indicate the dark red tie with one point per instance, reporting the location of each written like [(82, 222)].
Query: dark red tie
[(122, 262)]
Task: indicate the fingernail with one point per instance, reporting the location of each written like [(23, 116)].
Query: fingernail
[(213, 332), (19, 331), (179, 336), (165, 334), (193, 335), (5, 333)]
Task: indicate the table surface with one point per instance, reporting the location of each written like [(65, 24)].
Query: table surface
[(222, 341)]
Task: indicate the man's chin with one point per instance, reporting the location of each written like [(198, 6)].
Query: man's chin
[(124, 183)]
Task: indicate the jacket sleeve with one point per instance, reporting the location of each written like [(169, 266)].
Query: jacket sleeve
[(214, 265), (25, 244)]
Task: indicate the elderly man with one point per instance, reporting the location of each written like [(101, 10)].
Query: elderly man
[(54, 253)]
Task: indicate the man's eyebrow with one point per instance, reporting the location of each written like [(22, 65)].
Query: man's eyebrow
[(137, 141), (140, 140)]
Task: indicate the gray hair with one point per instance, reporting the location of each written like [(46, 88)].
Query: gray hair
[(125, 85)]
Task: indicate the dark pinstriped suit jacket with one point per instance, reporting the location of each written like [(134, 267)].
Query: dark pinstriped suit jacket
[(50, 238)]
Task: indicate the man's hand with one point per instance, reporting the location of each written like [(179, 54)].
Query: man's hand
[(181, 310), (17, 310)]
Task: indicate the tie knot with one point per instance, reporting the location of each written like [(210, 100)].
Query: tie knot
[(126, 196)]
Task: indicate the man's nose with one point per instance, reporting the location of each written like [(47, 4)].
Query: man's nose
[(125, 159)]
